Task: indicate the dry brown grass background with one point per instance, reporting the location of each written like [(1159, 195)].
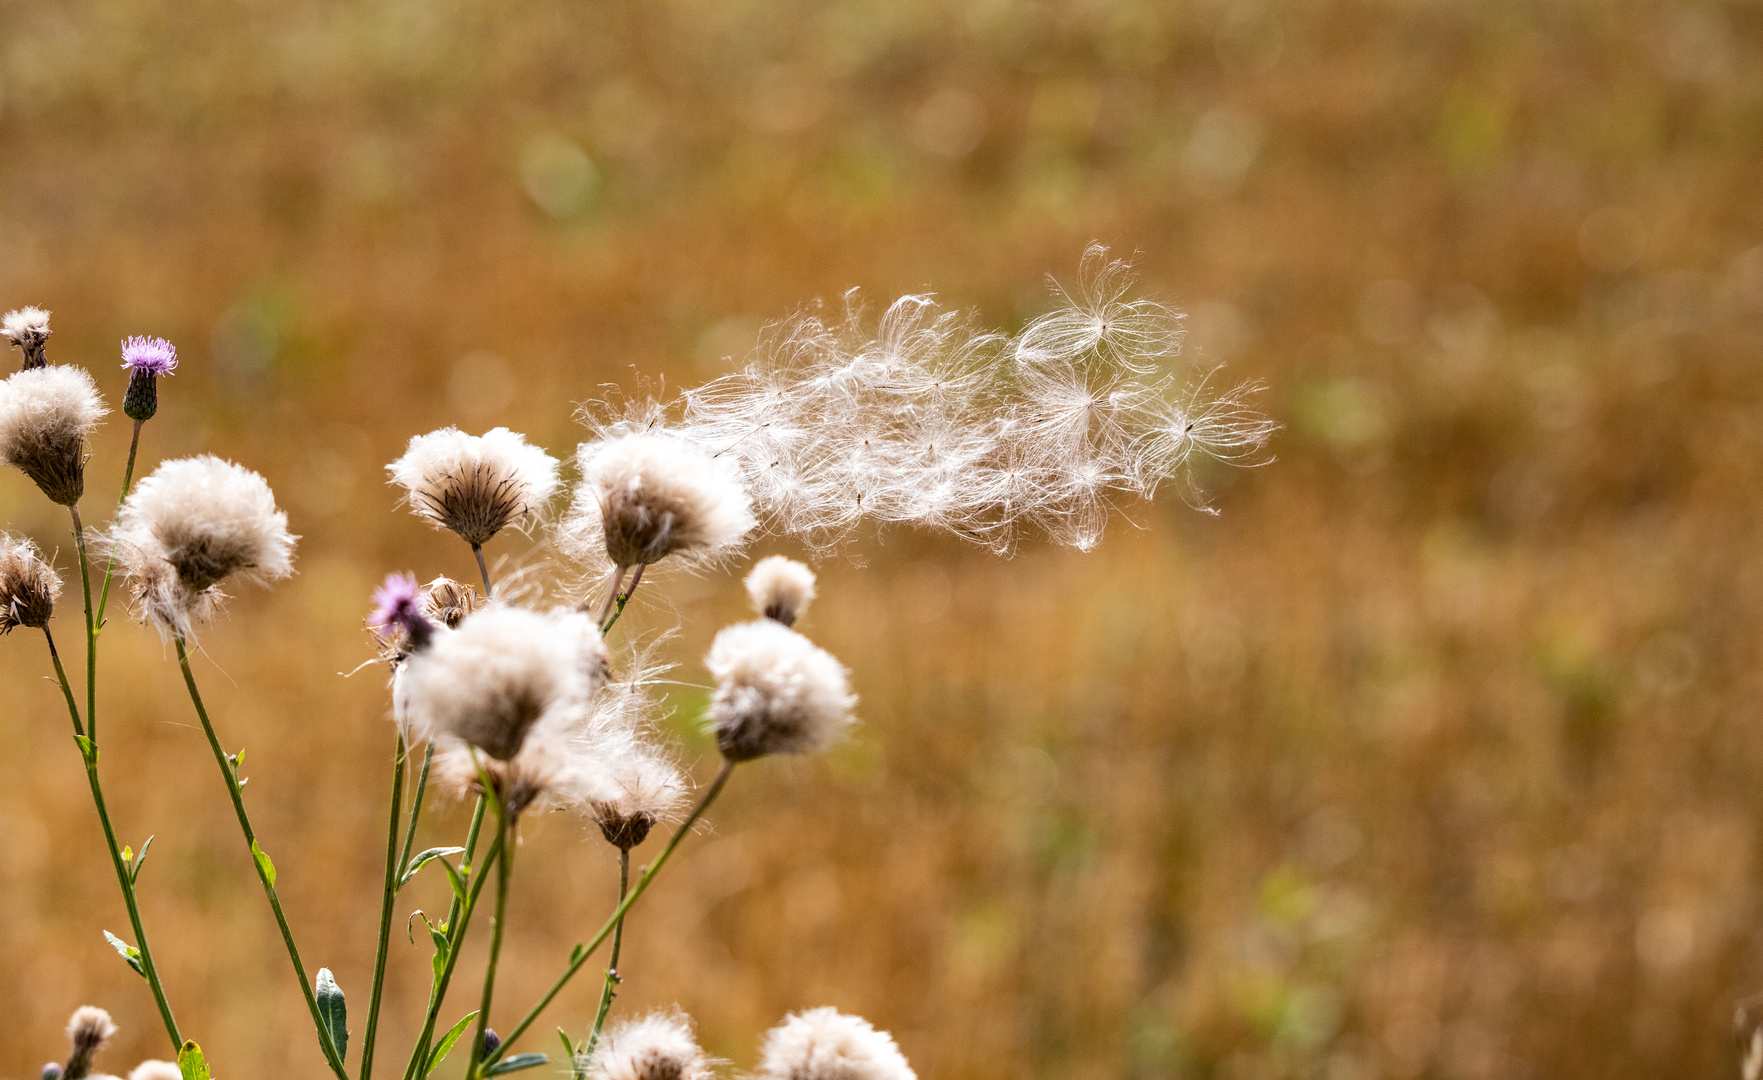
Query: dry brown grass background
[(1433, 755)]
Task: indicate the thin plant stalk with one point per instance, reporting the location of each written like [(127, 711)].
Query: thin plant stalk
[(79, 537), (128, 478), (482, 569), (458, 919), (623, 599), (504, 870), (582, 952), (260, 861), (612, 978), (388, 891), (124, 876), (613, 582), (422, 783)]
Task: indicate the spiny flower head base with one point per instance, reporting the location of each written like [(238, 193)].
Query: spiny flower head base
[(474, 485), (46, 415), (28, 328), (147, 358)]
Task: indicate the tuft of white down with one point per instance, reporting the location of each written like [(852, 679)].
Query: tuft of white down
[(781, 589), (657, 1047), (645, 495), (825, 1044), (46, 413), (475, 485), (776, 692)]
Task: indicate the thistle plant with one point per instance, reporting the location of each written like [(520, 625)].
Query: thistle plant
[(522, 707)]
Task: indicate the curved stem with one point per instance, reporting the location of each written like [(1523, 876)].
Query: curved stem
[(124, 875), (582, 952), (260, 861), (387, 892), (128, 478), (612, 976), (504, 869), (458, 919)]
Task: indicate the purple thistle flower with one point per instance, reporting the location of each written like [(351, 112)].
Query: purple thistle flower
[(149, 356), (398, 604)]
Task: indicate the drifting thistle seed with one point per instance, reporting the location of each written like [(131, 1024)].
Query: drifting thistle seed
[(647, 495), (776, 692), (156, 1070), (46, 415), (660, 1046), (825, 1044), (28, 585), (474, 485), (28, 329), (87, 1031), (781, 588), (189, 526), (147, 358)]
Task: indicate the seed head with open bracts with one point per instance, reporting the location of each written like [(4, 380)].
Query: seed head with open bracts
[(46, 415), (659, 1046), (28, 585), (28, 329), (474, 485)]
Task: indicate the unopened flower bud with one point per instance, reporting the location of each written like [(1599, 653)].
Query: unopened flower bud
[(147, 359), (52, 1071), (491, 1041)]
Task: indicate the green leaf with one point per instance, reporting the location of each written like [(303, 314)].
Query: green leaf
[(135, 871), (453, 879), (127, 952), (264, 866), (87, 750), (439, 1053), (334, 1011), (442, 951), (191, 1062), (517, 1063), (417, 863)]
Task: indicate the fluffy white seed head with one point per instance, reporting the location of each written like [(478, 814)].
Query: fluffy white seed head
[(776, 692), (46, 414), (657, 1047), (25, 324), (825, 1044), (547, 772), (156, 1070), (192, 524), (28, 585), (87, 1031), (475, 485), (490, 681), (646, 495), (634, 786), (781, 588)]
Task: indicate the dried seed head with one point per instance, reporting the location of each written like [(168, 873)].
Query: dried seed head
[(28, 328), (633, 788), (776, 692), (781, 589), (156, 1070), (491, 680), (657, 1047), (191, 525), (546, 773), (825, 1044), (147, 358), (87, 1031), (448, 602), (649, 495), (28, 585), (475, 485), (46, 414)]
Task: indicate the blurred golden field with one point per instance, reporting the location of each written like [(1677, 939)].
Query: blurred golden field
[(1433, 754)]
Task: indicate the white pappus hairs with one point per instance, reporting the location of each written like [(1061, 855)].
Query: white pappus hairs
[(88, 1029), (825, 1044), (634, 786), (781, 589), (490, 681), (28, 328), (475, 485), (647, 494), (547, 772), (776, 692), (28, 585), (156, 1070), (191, 525), (46, 414), (659, 1046)]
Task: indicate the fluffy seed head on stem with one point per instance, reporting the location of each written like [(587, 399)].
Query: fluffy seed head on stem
[(548, 772), (28, 585), (825, 1044), (776, 692), (474, 485), (781, 588), (28, 328), (87, 1031), (656, 1047), (633, 788), (156, 1070), (189, 526), (46, 415), (646, 495)]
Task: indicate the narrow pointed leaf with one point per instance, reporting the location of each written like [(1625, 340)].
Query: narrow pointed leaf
[(517, 1063), (191, 1063), (333, 1010), (140, 860), (417, 863), (263, 864), (127, 952), (439, 1053)]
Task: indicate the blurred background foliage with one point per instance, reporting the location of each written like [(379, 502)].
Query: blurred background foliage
[(1434, 754)]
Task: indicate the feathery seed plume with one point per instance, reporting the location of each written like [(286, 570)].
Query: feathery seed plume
[(656, 1047), (645, 495), (781, 588), (547, 772), (776, 692), (28, 585), (147, 358), (191, 525), (475, 485), (156, 1070), (825, 1044), (87, 1030), (28, 328), (488, 682), (634, 787), (46, 415)]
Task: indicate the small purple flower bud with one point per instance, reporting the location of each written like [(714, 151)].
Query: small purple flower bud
[(397, 605), (491, 1041), (147, 359), (52, 1071)]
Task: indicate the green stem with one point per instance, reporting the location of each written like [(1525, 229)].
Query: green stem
[(128, 478), (79, 536), (582, 952), (229, 773), (387, 892), (458, 919), (504, 870), (612, 977), (422, 783), (624, 598)]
